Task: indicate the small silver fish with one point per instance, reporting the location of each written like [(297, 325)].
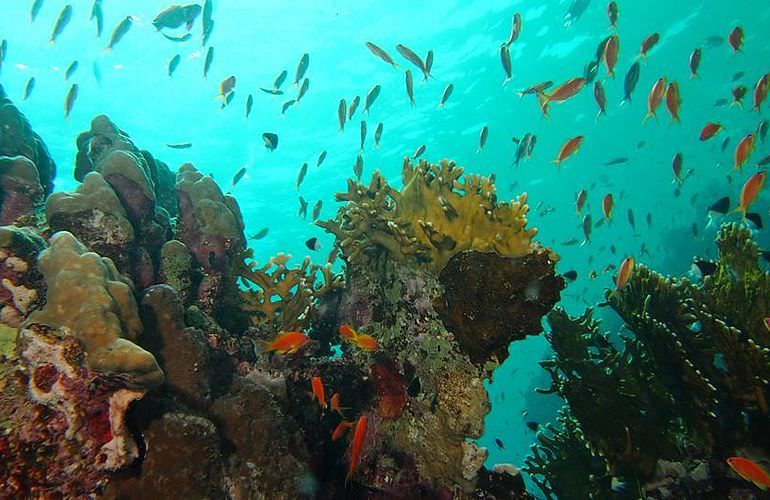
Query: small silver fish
[(341, 115), (317, 209), (179, 145), (29, 87), (98, 16), (302, 208), (358, 167), (303, 89), (70, 70), (515, 29), (371, 97), (447, 92), (363, 134), (238, 176), (61, 22), (227, 99), (33, 12), (587, 226), (321, 158), (428, 64), (271, 140), (207, 21), (260, 234), (207, 62), (419, 151), (301, 174), (69, 101), (280, 79), (304, 62), (173, 64), (120, 31), (271, 91), (353, 107), (483, 138), (249, 104), (410, 56), (177, 39), (286, 105), (409, 87), (505, 58), (381, 54), (377, 135)]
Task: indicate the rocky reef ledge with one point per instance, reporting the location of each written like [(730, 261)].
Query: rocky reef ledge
[(137, 333)]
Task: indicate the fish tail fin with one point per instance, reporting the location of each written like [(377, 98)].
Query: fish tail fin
[(542, 99), (647, 117), (737, 103), (507, 79), (586, 241)]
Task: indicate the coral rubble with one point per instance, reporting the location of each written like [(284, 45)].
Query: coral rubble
[(687, 386)]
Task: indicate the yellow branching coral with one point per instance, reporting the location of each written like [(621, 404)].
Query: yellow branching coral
[(438, 213), (282, 296)]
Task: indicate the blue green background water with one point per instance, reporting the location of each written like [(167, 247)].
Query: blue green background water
[(256, 40)]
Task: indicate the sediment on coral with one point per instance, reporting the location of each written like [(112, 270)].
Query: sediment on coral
[(687, 385)]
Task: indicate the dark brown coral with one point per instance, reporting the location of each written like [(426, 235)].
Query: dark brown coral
[(490, 301)]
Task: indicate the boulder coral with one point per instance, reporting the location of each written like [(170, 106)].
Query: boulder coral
[(87, 296)]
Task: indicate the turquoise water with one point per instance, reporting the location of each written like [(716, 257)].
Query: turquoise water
[(256, 42)]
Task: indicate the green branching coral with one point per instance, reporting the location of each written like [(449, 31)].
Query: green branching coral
[(690, 380), (438, 214), (282, 297)]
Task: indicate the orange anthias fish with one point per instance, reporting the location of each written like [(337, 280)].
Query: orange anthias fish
[(673, 101), (743, 151), (648, 44), (750, 471), (581, 200), (568, 149), (341, 429), (611, 50), (561, 93), (608, 203), (760, 91), (356, 445), (318, 391), (736, 39), (360, 340), (334, 404), (710, 130), (624, 273), (655, 98), (750, 191), (288, 342)]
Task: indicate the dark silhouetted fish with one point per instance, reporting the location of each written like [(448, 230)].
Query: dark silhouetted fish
[(35, 10), (756, 219), (358, 167), (445, 96), (70, 70), (272, 91), (409, 86), (173, 64), (302, 89), (313, 244), (410, 56), (533, 426), (61, 22), (371, 97), (616, 161), (377, 51), (575, 11), (363, 135), (280, 79), (377, 135), (69, 101), (301, 174), (207, 62), (304, 62), (259, 234), (629, 84), (177, 16), (341, 110), (499, 444), (419, 151), (249, 104), (29, 87), (353, 107), (570, 275), (120, 31), (483, 138), (321, 158), (286, 105), (505, 59), (98, 16), (207, 21), (238, 176), (590, 71), (271, 140), (302, 212), (177, 38), (704, 267), (179, 145), (317, 209)]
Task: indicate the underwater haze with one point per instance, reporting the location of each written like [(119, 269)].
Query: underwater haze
[(660, 218)]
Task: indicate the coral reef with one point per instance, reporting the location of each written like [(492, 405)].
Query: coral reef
[(18, 139), (688, 385), (434, 217), (132, 342)]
